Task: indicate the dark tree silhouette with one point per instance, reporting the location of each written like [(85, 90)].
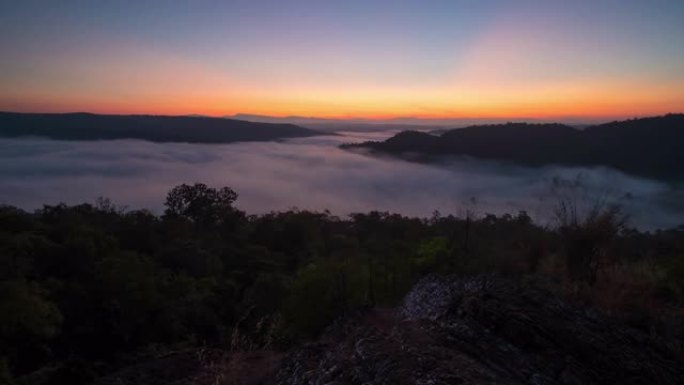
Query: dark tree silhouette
[(200, 204)]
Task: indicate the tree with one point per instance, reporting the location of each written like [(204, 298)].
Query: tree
[(202, 205), (27, 321), (588, 225)]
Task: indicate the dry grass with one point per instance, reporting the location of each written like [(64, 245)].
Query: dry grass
[(240, 368)]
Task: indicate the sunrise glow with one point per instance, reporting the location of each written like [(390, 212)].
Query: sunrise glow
[(452, 59)]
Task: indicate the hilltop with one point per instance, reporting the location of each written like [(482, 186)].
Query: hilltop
[(191, 129), (649, 147)]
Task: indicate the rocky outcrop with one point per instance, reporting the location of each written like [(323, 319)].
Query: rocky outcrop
[(483, 330)]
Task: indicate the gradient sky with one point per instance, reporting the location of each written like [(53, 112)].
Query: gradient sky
[(377, 59)]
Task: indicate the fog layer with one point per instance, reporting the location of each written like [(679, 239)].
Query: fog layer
[(310, 173)]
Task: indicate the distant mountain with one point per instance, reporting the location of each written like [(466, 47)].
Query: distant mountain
[(302, 120), (651, 147), (394, 122), (192, 129)]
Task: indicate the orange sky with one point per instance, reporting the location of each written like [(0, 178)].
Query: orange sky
[(357, 60)]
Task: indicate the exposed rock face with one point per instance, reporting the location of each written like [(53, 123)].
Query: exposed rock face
[(482, 330)]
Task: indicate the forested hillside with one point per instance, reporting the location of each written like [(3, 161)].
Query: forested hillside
[(649, 147), (155, 128), (89, 289)]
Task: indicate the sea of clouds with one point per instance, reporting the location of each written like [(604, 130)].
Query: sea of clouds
[(313, 174)]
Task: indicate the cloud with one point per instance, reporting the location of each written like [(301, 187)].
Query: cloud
[(310, 173)]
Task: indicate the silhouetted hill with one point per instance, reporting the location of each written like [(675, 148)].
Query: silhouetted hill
[(649, 146), (85, 126), (314, 122)]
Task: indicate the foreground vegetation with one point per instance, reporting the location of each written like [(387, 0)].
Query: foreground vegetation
[(89, 288)]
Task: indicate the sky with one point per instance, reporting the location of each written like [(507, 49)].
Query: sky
[(343, 59)]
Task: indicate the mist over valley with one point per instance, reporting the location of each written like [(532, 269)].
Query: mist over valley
[(314, 174)]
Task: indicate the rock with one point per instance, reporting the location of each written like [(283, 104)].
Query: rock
[(482, 330), (449, 331)]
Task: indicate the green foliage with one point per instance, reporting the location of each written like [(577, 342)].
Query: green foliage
[(83, 287), (432, 255), (322, 292), (588, 244), (27, 321), (26, 312), (674, 276), (201, 204), (5, 375)]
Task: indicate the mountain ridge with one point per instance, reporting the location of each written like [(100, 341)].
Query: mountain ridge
[(644, 146), (402, 120), (155, 128)]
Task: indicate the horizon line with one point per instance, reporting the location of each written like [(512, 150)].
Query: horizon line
[(361, 119)]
